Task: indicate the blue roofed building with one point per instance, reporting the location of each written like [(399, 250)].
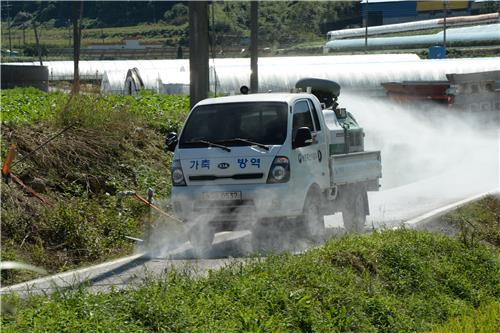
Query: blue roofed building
[(382, 12)]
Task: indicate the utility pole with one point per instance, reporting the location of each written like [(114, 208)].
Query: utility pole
[(38, 47), (9, 24), (69, 33), (77, 32), (198, 51), (254, 47), (444, 23), (366, 27)]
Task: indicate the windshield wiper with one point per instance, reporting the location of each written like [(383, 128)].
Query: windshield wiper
[(211, 144), (260, 145)]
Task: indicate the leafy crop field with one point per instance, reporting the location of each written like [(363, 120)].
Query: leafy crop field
[(391, 281), (114, 144)]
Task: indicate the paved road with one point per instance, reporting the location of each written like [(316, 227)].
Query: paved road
[(389, 208), (229, 248)]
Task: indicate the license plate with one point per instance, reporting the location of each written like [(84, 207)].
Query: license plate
[(222, 196)]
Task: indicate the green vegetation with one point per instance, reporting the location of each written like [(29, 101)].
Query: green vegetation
[(29, 105), (291, 28), (387, 281), (281, 23), (482, 320), (115, 144), (478, 221), (53, 37)]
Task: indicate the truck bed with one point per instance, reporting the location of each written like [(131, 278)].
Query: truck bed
[(355, 167)]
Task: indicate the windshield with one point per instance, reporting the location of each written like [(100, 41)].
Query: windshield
[(259, 122)]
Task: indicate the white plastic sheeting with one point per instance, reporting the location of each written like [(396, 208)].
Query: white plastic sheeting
[(363, 77), (167, 81), (94, 69), (113, 82), (411, 26), (360, 77), (361, 73), (176, 83), (489, 32), (229, 74)]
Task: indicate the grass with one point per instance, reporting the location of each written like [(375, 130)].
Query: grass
[(478, 221), (115, 144), (387, 281), (485, 319)]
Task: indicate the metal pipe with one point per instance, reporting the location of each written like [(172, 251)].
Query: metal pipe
[(366, 27), (444, 24)]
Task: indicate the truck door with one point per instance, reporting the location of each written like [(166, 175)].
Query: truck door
[(319, 136), (305, 161)]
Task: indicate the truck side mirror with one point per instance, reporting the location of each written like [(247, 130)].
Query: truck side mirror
[(303, 138), (171, 140)]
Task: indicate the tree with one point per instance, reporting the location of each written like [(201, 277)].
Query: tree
[(178, 15)]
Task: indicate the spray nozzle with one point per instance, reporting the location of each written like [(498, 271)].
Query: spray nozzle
[(150, 195)]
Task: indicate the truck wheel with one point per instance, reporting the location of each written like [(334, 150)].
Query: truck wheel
[(354, 213), (314, 223), (201, 239)]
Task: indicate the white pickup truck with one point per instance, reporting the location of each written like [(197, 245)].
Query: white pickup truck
[(252, 161)]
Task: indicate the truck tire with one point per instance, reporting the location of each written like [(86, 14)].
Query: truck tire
[(354, 212), (201, 238), (314, 223)]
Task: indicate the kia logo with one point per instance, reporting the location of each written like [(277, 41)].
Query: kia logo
[(223, 165)]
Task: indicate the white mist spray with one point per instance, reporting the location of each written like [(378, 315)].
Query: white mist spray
[(431, 155)]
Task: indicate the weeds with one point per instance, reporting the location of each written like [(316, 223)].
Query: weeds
[(478, 222), (431, 280), (485, 319), (115, 144)]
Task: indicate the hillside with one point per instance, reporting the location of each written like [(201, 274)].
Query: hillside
[(166, 22)]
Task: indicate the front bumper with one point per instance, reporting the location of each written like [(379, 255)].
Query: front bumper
[(258, 201)]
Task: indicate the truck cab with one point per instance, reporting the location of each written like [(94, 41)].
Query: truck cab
[(241, 160)]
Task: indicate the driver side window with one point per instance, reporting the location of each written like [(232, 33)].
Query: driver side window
[(301, 117)]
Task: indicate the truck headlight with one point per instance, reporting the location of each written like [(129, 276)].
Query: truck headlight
[(279, 171), (177, 174)]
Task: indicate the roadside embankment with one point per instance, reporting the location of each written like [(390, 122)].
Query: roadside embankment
[(401, 280), (101, 145)]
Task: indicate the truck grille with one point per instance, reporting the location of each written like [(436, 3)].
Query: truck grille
[(225, 208), (237, 177)]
